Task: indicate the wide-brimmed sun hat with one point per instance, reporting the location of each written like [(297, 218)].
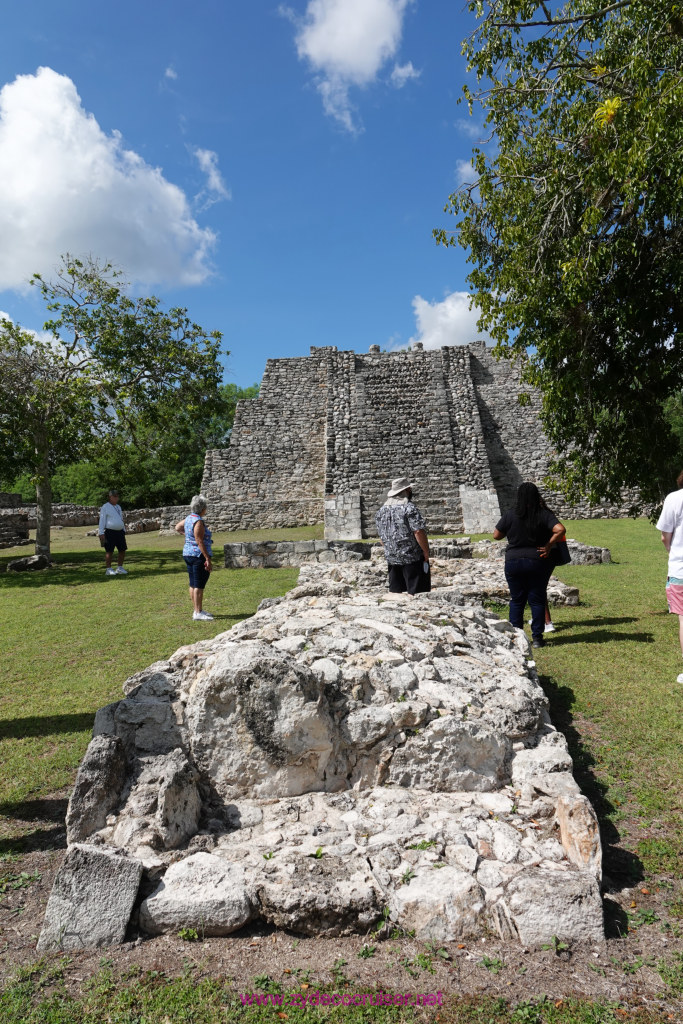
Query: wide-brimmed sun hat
[(401, 483)]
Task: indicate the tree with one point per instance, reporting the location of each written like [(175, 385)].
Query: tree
[(106, 366), (574, 225), (164, 466)]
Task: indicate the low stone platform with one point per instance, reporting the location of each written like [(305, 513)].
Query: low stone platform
[(273, 554), (582, 554), (342, 757)]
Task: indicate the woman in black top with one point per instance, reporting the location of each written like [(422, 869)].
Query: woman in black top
[(531, 530)]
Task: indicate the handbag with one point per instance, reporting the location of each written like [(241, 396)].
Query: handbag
[(560, 554)]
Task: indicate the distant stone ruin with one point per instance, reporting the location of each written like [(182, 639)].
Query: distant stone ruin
[(329, 431), (18, 517)]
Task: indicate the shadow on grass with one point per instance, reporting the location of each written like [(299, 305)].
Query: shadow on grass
[(621, 866), (37, 825), (602, 636), (45, 725), (76, 568), (604, 621)]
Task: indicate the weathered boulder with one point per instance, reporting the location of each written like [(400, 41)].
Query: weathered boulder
[(441, 905), (579, 833), (542, 904), (586, 554), (341, 752), (202, 892), (31, 563)]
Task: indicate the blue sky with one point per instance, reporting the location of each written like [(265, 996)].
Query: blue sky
[(276, 168)]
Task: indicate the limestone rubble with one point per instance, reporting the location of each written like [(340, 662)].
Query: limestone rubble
[(475, 579), (341, 758)]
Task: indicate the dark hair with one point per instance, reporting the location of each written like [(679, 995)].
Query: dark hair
[(529, 506), (679, 479)]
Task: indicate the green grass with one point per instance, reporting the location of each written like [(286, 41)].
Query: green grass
[(71, 636), (610, 673), (39, 995)]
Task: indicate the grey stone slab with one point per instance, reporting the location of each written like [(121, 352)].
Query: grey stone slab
[(91, 899), (99, 782)]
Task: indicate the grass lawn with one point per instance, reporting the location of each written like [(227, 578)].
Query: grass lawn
[(70, 637), (610, 673), (153, 998)]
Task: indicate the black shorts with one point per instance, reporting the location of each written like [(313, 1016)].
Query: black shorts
[(411, 579), (115, 539), (199, 576)]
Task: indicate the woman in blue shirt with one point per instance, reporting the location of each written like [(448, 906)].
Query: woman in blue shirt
[(197, 553)]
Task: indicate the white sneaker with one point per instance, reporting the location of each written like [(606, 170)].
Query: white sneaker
[(110, 572), (121, 571), (202, 617), (679, 679), (548, 628)]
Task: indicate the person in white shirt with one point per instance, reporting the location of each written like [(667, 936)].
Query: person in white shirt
[(112, 533), (670, 523)]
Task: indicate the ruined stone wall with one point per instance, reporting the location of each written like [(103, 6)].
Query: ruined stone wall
[(9, 499), (274, 554), (273, 473), (516, 446), (14, 528)]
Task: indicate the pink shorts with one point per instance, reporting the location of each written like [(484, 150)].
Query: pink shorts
[(674, 595)]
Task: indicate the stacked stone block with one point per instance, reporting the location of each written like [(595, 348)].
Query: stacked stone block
[(14, 528), (276, 554), (273, 473)]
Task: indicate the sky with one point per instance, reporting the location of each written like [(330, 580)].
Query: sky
[(276, 168)]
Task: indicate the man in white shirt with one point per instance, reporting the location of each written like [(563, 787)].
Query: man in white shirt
[(112, 533), (671, 524)]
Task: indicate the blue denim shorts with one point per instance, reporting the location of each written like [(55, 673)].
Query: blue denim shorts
[(199, 576)]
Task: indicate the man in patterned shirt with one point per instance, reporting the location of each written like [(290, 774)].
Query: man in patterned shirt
[(403, 533)]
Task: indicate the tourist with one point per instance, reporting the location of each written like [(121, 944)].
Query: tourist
[(531, 531), (670, 523), (403, 533), (112, 533), (197, 554)]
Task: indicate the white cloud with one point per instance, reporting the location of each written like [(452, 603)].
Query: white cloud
[(403, 73), (472, 128), (66, 186), (464, 172), (171, 73), (346, 43), (450, 322), (215, 189)]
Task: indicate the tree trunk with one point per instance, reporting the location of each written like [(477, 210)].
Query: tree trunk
[(43, 499)]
